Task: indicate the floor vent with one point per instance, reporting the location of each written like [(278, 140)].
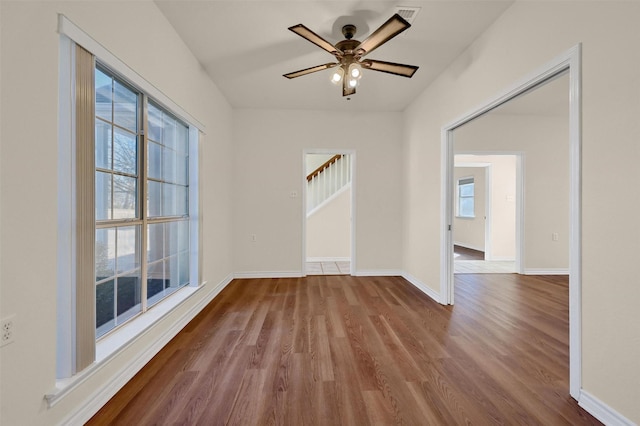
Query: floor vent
[(407, 12)]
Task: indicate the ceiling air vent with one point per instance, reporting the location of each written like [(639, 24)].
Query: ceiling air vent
[(407, 12)]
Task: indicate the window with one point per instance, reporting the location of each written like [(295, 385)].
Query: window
[(141, 202), (128, 211), (466, 207)]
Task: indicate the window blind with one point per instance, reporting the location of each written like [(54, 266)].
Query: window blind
[(85, 210)]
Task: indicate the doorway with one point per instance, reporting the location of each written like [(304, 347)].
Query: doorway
[(485, 230), (328, 211), (568, 63)]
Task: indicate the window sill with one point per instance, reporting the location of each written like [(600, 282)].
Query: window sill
[(117, 341), (466, 217)]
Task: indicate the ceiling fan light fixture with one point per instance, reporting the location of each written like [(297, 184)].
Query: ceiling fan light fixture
[(337, 75), (349, 54), (355, 70)]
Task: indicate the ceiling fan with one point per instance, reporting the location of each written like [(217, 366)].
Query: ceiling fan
[(349, 54)]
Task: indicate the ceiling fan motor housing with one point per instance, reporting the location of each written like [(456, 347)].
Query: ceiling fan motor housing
[(347, 47)]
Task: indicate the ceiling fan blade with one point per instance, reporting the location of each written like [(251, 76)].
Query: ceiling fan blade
[(314, 38), (390, 67), (309, 70), (394, 26), (346, 89)]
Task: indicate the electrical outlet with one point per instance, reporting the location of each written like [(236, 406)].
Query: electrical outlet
[(554, 236), (8, 330)]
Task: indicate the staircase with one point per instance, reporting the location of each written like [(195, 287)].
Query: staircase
[(325, 182)]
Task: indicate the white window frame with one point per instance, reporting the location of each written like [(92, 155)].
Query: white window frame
[(465, 181), (142, 219), (68, 378)]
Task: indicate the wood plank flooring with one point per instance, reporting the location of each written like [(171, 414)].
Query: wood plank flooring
[(342, 350), (463, 253)]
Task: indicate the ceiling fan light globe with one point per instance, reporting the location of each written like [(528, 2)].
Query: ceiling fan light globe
[(336, 76), (355, 71), (353, 82)]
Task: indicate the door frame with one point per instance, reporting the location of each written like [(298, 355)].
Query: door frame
[(569, 61), (519, 199), (352, 158)]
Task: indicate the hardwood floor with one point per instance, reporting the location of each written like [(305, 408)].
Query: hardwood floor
[(333, 350), (463, 253)]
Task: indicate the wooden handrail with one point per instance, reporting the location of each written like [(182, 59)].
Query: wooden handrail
[(326, 164)]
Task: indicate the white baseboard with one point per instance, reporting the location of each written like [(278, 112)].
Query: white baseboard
[(602, 411), (552, 271), (95, 401), (328, 259), (268, 274), (378, 273), (423, 287)]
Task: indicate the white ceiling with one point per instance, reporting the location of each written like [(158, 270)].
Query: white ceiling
[(245, 47)]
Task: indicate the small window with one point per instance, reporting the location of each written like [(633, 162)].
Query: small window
[(466, 193)]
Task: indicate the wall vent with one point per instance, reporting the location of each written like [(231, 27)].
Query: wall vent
[(407, 12)]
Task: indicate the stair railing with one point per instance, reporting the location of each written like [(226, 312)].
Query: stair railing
[(327, 180)]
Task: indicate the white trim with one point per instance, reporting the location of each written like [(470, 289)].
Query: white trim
[(551, 271), (352, 159), (195, 212), (520, 206), (92, 403), (328, 259), (602, 411), (379, 273), (446, 295), (267, 274), (75, 33), (473, 164), (574, 61), (488, 213), (571, 61), (298, 274), (423, 287)]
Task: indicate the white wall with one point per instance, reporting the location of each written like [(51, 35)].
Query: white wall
[(268, 166), (470, 232), (512, 48), (503, 207), (544, 144), (329, 227), (141, 37)]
